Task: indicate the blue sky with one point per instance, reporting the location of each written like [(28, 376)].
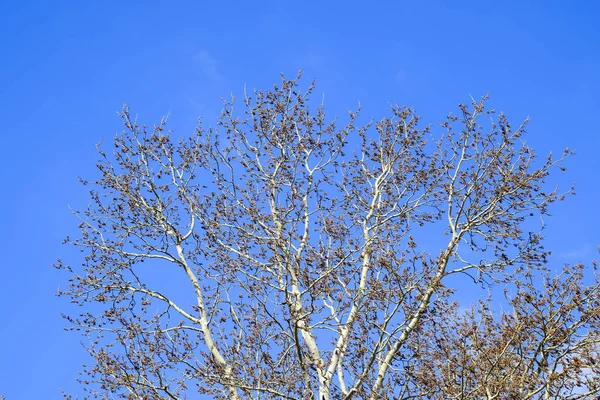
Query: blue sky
[(68, 66)]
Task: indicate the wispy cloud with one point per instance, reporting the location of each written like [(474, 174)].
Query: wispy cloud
[(209, 65), (401, 76), (583, 251), (314, 58)]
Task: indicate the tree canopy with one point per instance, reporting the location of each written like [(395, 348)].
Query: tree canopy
[(286, 255)]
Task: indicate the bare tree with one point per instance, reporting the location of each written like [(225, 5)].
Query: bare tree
[(282, 256), (546, 347)]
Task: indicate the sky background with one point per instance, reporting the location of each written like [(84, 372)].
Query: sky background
[(67, 67)]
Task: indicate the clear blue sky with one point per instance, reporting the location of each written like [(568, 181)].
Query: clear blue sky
[(68, 66)]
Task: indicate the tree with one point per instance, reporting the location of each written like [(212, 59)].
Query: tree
[(546, 347), (282, 256)]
